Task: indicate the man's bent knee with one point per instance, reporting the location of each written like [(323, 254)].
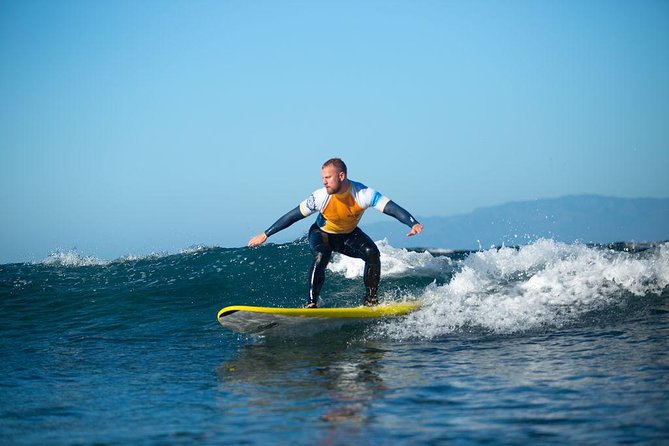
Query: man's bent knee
[(372, 254)]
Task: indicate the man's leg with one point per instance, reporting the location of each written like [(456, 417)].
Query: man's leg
[(321, 252), (360, 246)]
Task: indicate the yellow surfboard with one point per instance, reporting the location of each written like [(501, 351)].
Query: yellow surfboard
[(302, 321)]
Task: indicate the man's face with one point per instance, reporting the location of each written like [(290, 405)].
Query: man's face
[(332, 180)]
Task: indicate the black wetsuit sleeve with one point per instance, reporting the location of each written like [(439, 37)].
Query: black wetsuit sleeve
[(285, 221), (399, 213)]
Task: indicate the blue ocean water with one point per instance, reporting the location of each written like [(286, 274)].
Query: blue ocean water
[(549, 343)]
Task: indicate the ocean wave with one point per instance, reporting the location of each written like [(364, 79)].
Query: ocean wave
[(546, 283), (72, 259), (136, 258)]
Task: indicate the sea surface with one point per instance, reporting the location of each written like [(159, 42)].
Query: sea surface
[(547, 343)]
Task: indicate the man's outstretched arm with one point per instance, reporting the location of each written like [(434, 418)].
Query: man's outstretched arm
[(282, 223), (394, 210)]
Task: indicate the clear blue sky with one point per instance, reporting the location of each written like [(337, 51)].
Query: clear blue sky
[(140, 126)]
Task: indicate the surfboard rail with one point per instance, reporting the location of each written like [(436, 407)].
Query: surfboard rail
[(392, 309)]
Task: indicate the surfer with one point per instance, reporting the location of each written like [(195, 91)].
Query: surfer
[(340, 203)]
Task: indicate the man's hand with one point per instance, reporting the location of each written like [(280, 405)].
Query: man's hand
[(415, 229), (257, 240)]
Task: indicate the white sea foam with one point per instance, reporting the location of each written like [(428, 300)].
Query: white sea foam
[(394, 262), (195, 249), (542, 284), (135, 258), (72, 259)]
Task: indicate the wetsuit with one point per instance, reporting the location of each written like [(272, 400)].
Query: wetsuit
[(336, 230)]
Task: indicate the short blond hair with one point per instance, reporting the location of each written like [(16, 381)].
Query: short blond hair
[(337, 163)]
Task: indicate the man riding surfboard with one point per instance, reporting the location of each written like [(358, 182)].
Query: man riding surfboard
[(340, 204)]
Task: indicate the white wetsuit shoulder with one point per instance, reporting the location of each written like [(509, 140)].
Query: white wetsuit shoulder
[(367, 197)]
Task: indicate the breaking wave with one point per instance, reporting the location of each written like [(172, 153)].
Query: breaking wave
[(546, 283)]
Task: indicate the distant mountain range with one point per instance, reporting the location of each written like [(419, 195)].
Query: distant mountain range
[(583, 218)]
